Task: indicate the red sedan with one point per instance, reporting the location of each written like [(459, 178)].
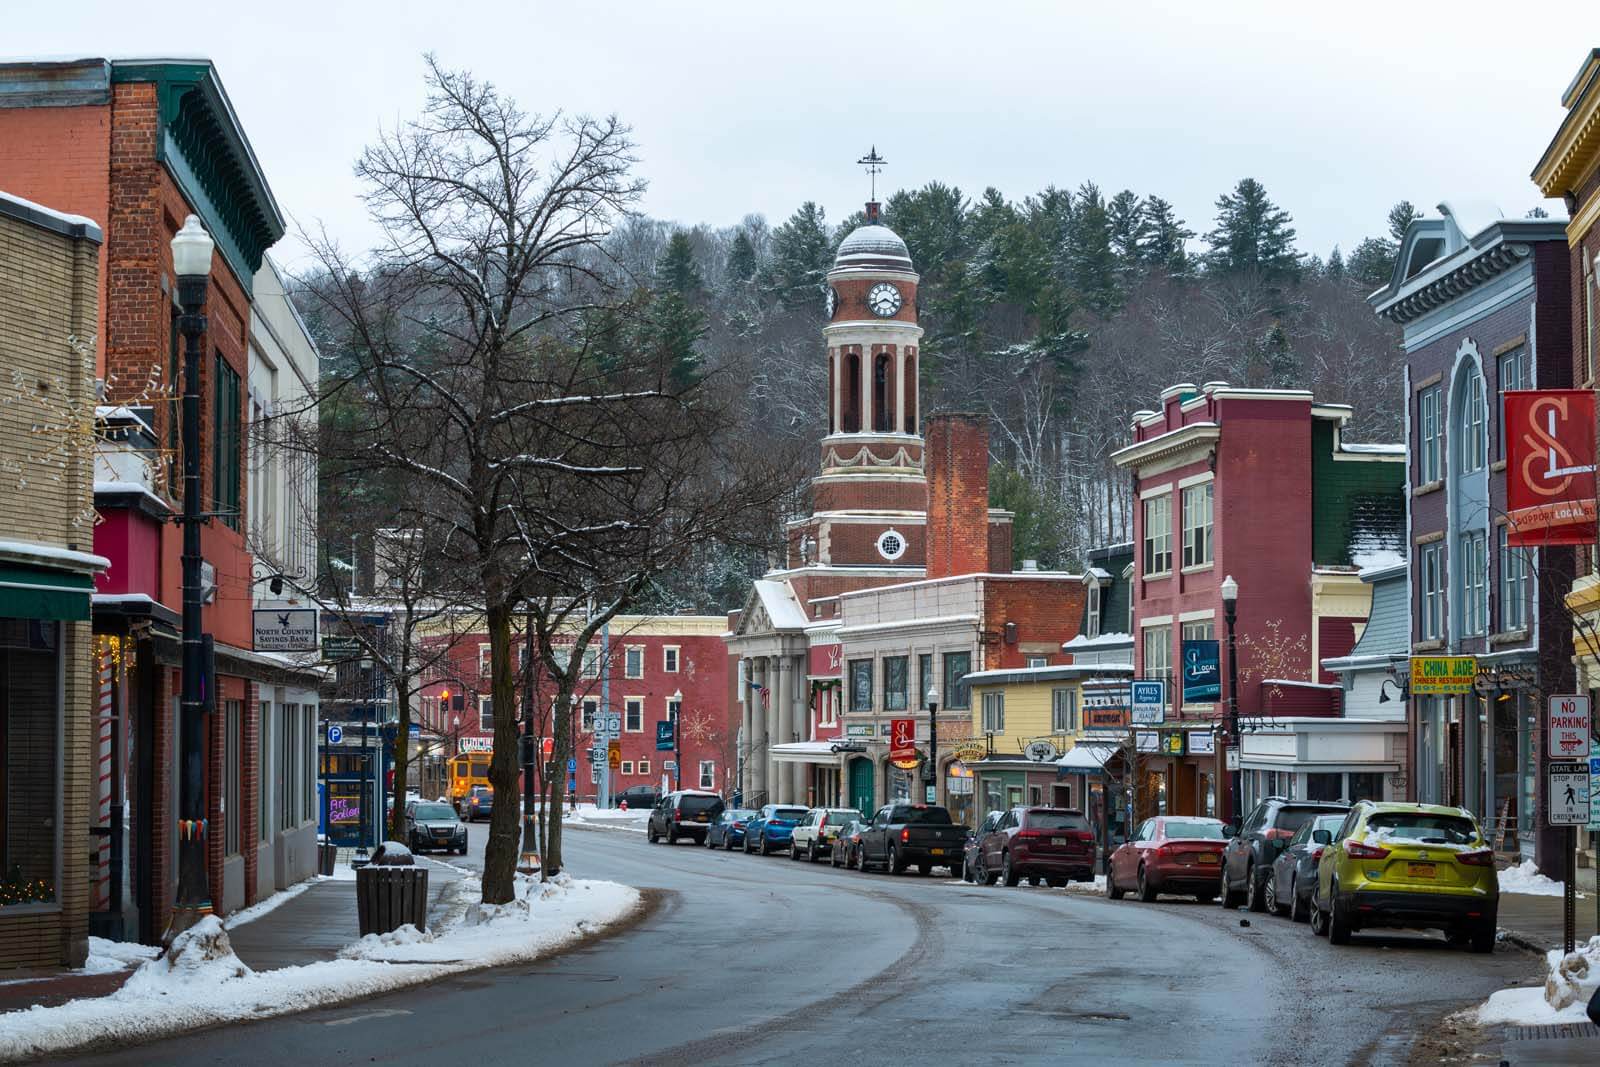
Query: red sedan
[(1169, 854)]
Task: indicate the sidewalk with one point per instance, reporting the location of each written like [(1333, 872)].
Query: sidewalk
[(1535, 923), (308, 927)]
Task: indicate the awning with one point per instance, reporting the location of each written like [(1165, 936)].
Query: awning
[(805, 752), (1086, 759), (43, 593)]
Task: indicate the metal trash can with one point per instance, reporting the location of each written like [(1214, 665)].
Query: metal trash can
[(391, 891), (327, 857)]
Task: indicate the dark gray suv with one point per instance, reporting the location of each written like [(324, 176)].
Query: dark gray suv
[(684, 813)]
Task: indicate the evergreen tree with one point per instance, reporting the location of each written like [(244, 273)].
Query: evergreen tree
[(1335, 264), (802, 255), (1130, 230), (1537, 212), (1091, 261), (1283, 369), (742, 265), (932, 221), (676, 271), (1253, 235), (1166, 247), (1372, 262), (1400, 217)]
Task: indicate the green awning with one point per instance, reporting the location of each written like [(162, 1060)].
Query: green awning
[(41, 593)]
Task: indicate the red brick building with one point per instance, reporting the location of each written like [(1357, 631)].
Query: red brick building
[(1256, 484), (139, 145), (648, 669)]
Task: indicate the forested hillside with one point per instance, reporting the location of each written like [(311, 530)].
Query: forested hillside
[(1059, 315)]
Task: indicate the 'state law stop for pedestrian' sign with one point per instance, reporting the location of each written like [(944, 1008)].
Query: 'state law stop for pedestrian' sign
[(1568, 727)]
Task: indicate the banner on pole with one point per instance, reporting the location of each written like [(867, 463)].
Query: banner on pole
[(1550, 481)]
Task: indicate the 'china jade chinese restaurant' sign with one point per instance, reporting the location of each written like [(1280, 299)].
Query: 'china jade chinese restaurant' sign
[(1440, 675)]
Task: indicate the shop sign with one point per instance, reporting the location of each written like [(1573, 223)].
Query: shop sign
[(1550, 485), (1442, 675), (908, 764), (475, 744), (285, 629), (1172, 743), (1149, 702), (1202, 677), (1568, 724), (1202, 743), (860, 729), (1105, 719), (903, 742), (969, 753), (1041, 751), (1147, 741)]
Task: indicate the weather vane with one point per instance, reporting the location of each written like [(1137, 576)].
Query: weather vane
[(874, 163)]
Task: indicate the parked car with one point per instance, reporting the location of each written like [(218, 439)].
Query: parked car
[(683, 813), (903, 835), (727, 829), (1177, 854), (1294, 872), (772, 828), (1048, 845), (431, 826), (814, 837), (970, 867), (638, 797), (847, 846), (1248, 859), (1414, 865), (478, 803)]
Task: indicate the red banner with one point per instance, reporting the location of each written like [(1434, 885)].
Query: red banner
[(902, 739), (1550, 469)]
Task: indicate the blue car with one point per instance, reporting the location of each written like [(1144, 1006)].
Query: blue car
[(772, 830), (728, 830)]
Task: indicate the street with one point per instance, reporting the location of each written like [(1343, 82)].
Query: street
[(752, 960)]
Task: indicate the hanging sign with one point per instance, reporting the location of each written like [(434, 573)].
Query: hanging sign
[(1202, 676), (1041, 751), (285, 629), (903, 741), (1550, 483), (1149, 702), (1442, 675)]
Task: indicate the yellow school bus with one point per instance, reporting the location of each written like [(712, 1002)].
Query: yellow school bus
[(467, 770)]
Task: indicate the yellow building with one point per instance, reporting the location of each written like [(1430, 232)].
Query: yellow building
[(1042, 735)]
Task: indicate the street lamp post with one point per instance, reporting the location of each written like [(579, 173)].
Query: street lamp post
[(676, 707), (1230, 612), (933, 743), (192, 248)]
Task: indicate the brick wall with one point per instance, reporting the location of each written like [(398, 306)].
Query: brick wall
[(1047, 612), (958, 495)]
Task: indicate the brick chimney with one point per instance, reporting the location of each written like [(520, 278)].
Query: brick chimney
[(957, 469)]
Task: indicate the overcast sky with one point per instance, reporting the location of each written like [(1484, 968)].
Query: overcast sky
[(753, 107)]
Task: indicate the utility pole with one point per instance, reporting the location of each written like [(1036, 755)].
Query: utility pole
[(192, 249)]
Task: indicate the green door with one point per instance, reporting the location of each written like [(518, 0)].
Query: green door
[(861, 786)]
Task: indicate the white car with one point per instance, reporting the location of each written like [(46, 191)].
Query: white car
[(814, 836)]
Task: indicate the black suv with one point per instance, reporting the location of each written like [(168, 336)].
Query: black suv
[(684, 813), (1247, 860)]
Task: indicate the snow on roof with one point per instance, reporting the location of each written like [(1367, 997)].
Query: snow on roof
[(91, 228), (1003, 675), (27, 552), (1300, 685), (780, 605), (1086, 757), (1374, 449), (1377, 559), (1108, 640), (1098, 573)]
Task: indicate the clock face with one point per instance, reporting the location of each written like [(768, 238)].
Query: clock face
[(830, 302), (884, 300)]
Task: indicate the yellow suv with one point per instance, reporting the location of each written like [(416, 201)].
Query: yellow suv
[(1412, 865)]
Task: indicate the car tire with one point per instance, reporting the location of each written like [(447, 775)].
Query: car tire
[(650, 834), (958, 870), (1112, 889), (1298, 911), (794, 853), (1056, 883), (1231, 898), (1319, 918), (1205, 896), (1255, 889), (1338, 921), (1274, 905), (672, 837), (924, 869), (1007, 875), (1481, 940), (813, 856), (1147, 892), (896, 865)]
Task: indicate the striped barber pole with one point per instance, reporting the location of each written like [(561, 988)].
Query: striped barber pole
[(106, 723)]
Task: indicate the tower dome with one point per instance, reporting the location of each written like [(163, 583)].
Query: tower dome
[(873, 245)]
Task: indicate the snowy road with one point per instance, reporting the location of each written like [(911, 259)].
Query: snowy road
[(751, 960)]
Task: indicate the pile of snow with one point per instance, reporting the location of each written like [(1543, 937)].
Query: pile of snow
[(1571, 981), (1094, 888), (615, 818), (108, 956), (201, 983), (1525, 878)]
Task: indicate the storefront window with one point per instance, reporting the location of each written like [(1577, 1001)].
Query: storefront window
[(1365, 785), (861, 685), (957, 665), (894, 683), (1323, 787), (30, 732)]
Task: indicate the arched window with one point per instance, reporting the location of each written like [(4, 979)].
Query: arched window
[(882, 401), (910, 426), (852, 393), (833, 396), (1472, 422)]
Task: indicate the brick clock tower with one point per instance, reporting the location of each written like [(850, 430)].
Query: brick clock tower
[(869, 499)]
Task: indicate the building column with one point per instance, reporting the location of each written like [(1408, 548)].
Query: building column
[(799, 772), (758, 716), (745, 765), (899, 388), (784, 783)]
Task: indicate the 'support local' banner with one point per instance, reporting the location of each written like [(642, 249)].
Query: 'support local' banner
[(1550, 468)]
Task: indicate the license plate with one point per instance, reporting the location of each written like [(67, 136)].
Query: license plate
[(699, 818), (1421, 870), (936, 852), (1207, 857), (1058, 841)]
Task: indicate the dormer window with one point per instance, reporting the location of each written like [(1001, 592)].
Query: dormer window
[(1094, 609)]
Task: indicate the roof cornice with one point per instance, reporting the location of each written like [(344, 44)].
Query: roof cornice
[(1575, 150), (1496, 250), (1169, 444)]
